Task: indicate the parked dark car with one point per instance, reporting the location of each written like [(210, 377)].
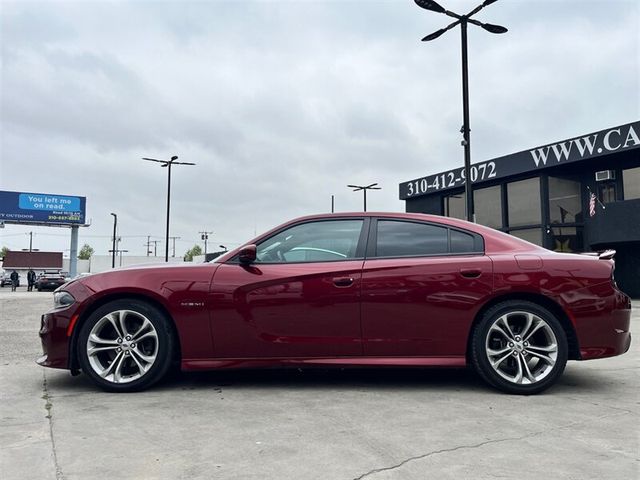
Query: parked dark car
[(361, 289), (50, 280)]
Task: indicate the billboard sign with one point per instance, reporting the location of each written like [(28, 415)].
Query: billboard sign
[(41, 208)]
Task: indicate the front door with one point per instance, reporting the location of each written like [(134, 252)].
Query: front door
[(301, 298)]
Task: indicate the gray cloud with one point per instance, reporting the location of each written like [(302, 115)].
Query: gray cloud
[(281, 104)]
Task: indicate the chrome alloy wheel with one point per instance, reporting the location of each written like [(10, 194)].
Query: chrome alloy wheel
[(521, 347), (122, 346)]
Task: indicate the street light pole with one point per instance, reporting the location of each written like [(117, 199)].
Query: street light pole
[(113, 249), (168, 163), (357, 188), (466, 128), (463, 21)]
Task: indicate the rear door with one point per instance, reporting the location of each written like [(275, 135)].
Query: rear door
[(422, 284)]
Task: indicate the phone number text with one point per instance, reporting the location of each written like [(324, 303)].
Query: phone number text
[(451, 179)]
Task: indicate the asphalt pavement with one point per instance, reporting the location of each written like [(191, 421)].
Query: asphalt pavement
[(311, 424)]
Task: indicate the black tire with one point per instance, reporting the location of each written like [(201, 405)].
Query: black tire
[(511, 355), (161, 345)]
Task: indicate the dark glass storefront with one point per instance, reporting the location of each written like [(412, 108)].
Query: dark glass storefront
[(542, 195)]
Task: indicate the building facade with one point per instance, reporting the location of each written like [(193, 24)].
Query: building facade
[(575, 195), (23, 261)]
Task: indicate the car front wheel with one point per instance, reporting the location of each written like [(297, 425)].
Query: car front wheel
[(125, 345), (519, 347)]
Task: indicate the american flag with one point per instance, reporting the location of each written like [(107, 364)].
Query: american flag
[(592, 204)]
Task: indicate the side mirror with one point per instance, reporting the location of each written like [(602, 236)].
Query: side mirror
[(247, 254)]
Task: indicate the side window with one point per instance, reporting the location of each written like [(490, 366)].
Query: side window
[(395, 239), (462, 242), (319, 241), (400, 238)]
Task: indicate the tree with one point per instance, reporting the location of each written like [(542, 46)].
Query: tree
[(3, 252), (85, 252), (193, 252)]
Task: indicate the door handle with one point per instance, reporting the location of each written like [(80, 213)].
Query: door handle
[(343, 281), (470, 272)]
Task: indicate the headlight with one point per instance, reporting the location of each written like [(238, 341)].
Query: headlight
[(62, 299)]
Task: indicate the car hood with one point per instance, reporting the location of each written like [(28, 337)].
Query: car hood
[(145, 277)]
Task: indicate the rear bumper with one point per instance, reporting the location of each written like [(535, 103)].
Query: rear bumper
[(615, 340), (602, 319), (47, 285)]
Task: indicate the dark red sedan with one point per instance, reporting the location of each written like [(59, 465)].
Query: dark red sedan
[(352, 289)]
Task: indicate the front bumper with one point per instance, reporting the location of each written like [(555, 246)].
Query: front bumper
[(54, 339), (56, 329)]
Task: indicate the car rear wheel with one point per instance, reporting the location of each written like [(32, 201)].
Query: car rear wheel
[(125, 345), (519, 347)]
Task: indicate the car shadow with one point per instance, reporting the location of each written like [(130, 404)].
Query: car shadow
[(324, 378), (586, 381), (572, 381)]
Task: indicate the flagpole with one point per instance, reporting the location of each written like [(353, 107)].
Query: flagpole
[(593, 198)]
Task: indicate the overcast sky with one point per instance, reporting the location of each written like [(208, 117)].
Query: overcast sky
[(283, 103)]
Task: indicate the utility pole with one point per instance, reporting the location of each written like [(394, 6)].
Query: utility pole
[(205, 236), (148, 245), (118, 252), (173, 253), (155, 247), (332, 204), (121, 252), (113, 249)]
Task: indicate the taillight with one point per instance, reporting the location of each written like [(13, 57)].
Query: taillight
[(613, 278)]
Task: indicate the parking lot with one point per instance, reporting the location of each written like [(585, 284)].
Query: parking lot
[(311, 424)]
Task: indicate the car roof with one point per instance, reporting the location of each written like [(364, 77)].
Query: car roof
[(495, 240)]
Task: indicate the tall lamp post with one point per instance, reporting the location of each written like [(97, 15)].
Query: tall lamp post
[(357, 188), (164, 164), (463, 20), (113, 249)]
